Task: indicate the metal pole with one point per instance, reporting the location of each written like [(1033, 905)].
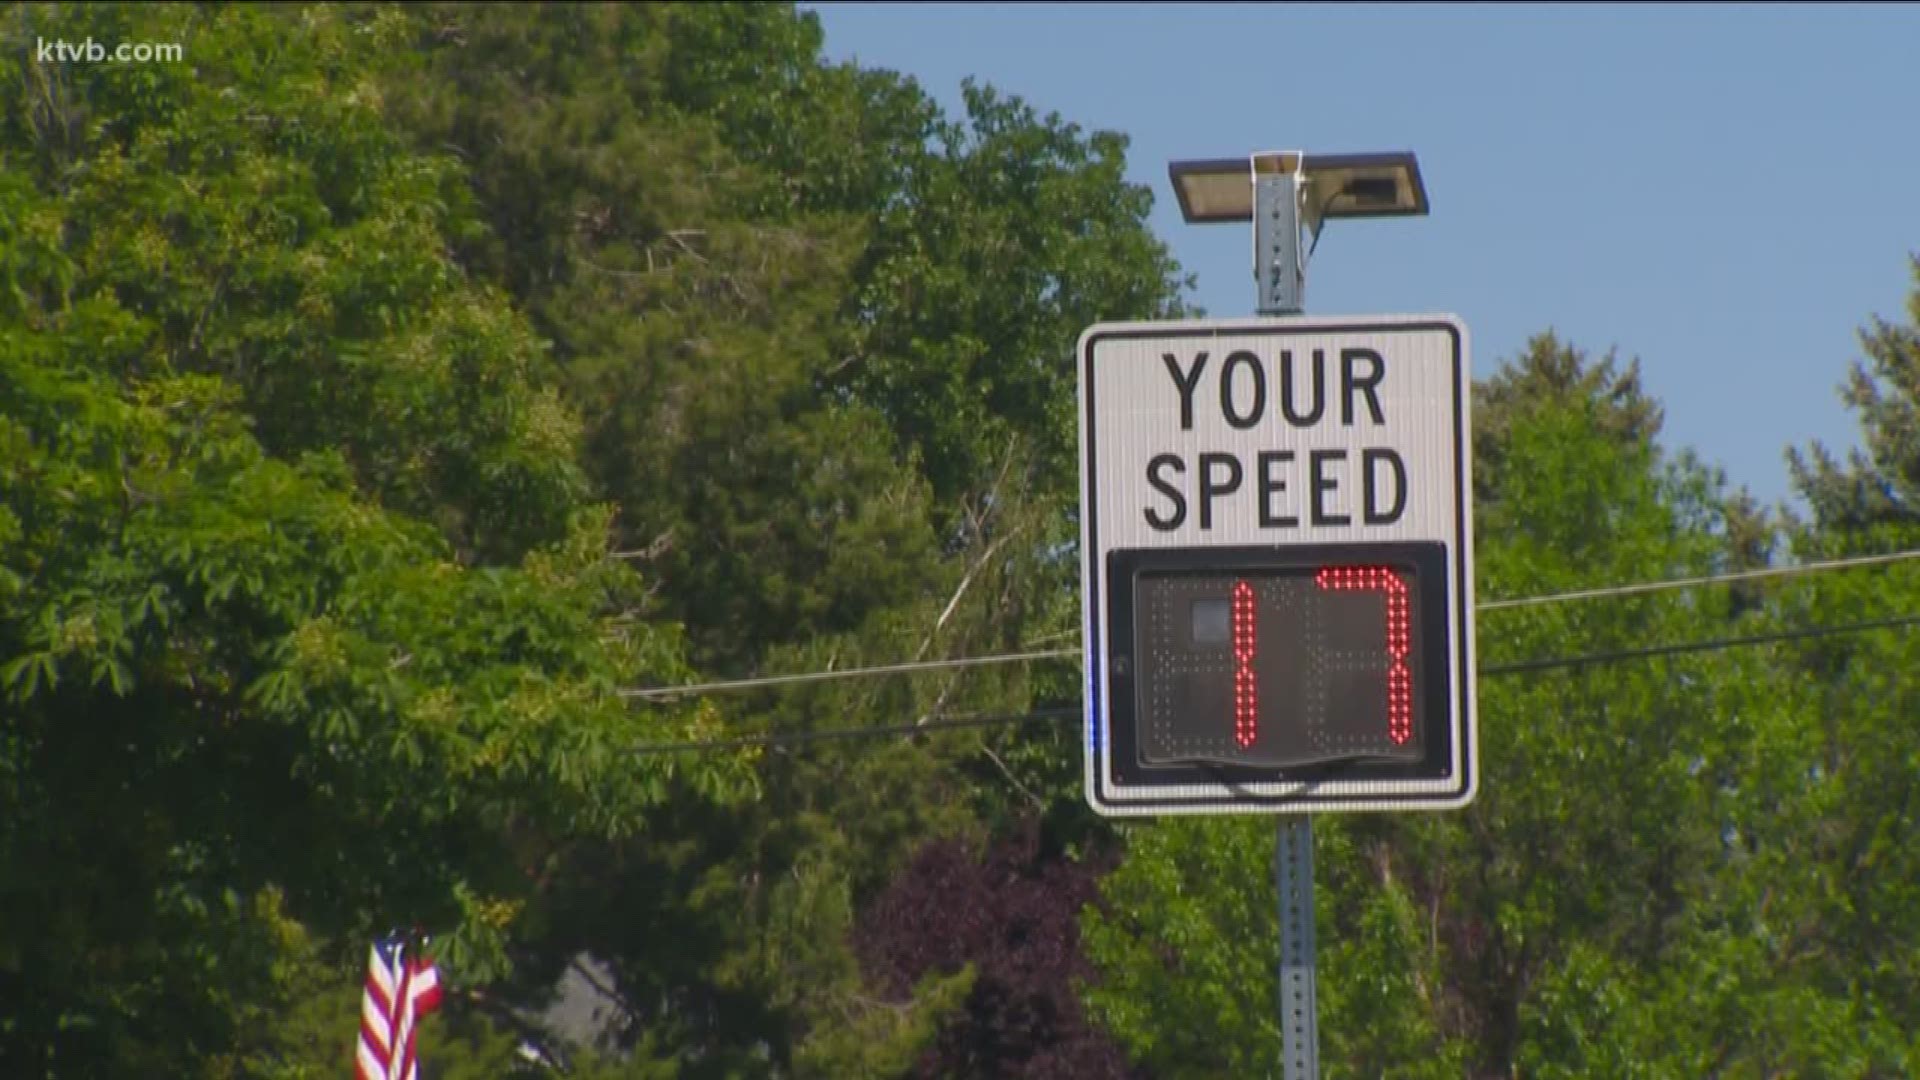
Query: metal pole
[(1299, 1009), (1280, 268), (1278, 262)]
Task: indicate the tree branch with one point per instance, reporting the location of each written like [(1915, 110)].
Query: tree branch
[(1038, 802), (954, 601), (655, 548)]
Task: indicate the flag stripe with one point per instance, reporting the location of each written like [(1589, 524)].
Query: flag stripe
[(373, 1025), (366, 1064), (380, 976), (400, 989)]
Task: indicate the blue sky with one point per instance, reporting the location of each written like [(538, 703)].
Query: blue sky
[(1726, 192)]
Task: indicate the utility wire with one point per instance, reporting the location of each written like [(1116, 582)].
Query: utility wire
[(796, 738), (659, 693), (1684, 583), (656, 692), (1712, 645)]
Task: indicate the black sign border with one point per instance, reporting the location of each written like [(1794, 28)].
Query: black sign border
[(1428, 560)]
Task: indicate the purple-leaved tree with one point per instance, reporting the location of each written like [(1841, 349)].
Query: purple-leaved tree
[(1013, 914)]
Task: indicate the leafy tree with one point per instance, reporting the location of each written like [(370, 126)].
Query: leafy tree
[(690, 328), (1008, 920), (258, 431), (1878, 487), (275, 666), (252, 208), (1840, 895), (774, 288)]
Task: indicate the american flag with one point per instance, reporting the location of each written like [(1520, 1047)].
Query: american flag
[(401, 988)]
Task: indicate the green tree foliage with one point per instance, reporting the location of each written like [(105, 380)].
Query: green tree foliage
[(251, 207), (1841, 893), (690, 326), (1878, 486), (257, 428), (820, 338)]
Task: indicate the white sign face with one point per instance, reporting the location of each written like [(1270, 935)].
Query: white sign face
[(1276, 548)]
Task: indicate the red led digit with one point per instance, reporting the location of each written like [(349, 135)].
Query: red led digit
[(1246, 701), (1399, 636)]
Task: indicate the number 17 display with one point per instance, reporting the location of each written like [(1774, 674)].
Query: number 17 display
[(1301, 661)]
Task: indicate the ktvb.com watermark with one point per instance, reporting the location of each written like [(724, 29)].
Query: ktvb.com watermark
[(89, 51)]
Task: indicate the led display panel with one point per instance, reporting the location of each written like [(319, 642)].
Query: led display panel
[(1278, 667)]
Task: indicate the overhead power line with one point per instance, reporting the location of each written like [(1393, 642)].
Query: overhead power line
[(821, 676), (796, 738), (659, 693), (1711, 645), (1686, 583)]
